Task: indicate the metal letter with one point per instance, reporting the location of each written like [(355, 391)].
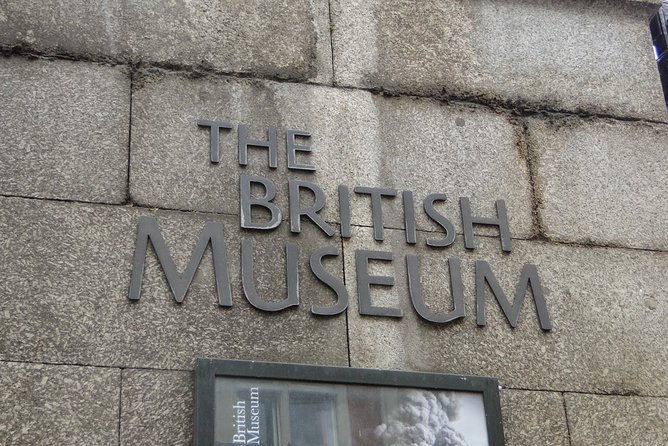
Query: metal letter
[(214, 127), (364, 281), (148, 229), (248, 281), (529, 277), (270, 144), (501, 221), (456, 286), (296, 211), (376, 209), (329, 280), (246, 203), (409, 217), (292, 147), (344, 211), (449, 228)]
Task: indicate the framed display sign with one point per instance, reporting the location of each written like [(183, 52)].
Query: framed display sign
[(272, 404)]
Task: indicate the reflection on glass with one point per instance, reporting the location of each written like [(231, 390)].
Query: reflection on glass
[(312, 418), (285, 413)]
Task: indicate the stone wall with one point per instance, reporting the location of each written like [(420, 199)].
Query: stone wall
[(554, 107)]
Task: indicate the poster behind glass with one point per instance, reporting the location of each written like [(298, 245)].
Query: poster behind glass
[(286, 413)]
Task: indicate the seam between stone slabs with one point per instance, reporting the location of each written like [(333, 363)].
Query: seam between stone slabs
[(515, 108), (507, 108), (128, 198), (130, 205), (195, 71), (24, 50), (582, 392), (529, 159), (63, 200), (205, 213), (624, 395), (120, 406), (592, 245), (568, 425), (345, 282), (97, 366), (537, 239), (331, 26), (122, 369)]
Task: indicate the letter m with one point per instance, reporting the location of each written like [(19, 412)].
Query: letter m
[(528, 278), (179, 283)]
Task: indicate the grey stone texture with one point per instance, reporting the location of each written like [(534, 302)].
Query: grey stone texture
[(617, 420), (601, 182), (58, 405), (607, 307), (533, 418), (66, 274), (593, 56), (272, 39), (64, 130), (157, 407), (357, 139)]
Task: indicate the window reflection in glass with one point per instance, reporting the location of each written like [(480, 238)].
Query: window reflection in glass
[(285, 413)]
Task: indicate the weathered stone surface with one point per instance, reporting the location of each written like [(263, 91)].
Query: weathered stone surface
[(591, 56), (426, 148), (157, 407), (64, 130), (607, 308), (535, 418), (257, 37), (652, 3), (76, 27), (617, 420), (602, 182), (66, 274), (58, 405), (358, 140)]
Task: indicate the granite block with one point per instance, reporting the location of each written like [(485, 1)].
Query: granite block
[(601, 182), (535, 418), (594, 56), (157, 407), (271, 39), (44, 404), (617, 420), (65, 130)]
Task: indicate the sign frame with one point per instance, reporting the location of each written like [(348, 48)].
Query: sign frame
[(207, 370)]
